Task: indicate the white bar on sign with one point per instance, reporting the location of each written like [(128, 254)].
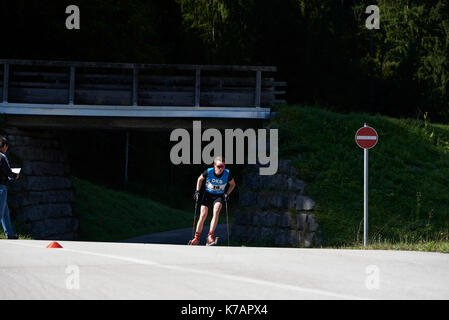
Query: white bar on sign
[(366, 138)]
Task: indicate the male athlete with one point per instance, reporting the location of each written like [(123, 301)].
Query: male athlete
[(217, 178)]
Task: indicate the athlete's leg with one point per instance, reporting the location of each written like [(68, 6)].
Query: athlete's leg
[(203, 216), (216, 212)]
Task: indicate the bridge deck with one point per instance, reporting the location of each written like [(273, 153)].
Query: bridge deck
[(95, 89)]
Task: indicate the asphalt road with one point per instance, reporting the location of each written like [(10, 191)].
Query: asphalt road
[(89, 270)]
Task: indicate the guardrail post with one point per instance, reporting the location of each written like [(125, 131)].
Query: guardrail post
[(258, 89), (72, 85), (5, 83), (197, 87), (135, 85)]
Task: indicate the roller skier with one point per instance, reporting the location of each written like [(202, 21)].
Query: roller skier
[(215, 194)]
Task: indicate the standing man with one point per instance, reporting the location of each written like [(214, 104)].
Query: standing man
[(5, 176), (217, 178)]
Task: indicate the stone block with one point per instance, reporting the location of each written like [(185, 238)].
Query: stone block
[(25, 141), (68, 236), (304, 203), (309, 238), (281, 237), (294, 184), (294, 237), (313, 225), (302, 221), (243, 217), (39, 183), (284, 166), (236, 231), (40, 197), (252, 233), (39, 168), (263, 200), (38, 154), (286, 220), (270, 219), (266, 234), (252, 181), (247, 198), (44, 211), (291, 201), (278, 200), (256, 218), (51, 228)]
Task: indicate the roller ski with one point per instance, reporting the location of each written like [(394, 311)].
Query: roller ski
[(195, 241), (211, 241)]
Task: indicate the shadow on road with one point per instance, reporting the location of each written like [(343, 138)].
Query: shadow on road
[(179, 236)]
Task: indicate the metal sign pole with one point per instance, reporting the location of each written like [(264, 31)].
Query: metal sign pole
[(365, 205), (366, 138)]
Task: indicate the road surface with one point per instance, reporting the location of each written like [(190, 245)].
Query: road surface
[(95, 270)]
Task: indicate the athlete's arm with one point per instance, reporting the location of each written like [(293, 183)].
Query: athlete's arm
[(199, 182), (231, 186)]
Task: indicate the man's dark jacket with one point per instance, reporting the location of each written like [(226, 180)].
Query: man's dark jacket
[(5, 170)]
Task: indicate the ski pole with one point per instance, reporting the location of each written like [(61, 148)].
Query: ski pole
[(227, 221), (194, 219)]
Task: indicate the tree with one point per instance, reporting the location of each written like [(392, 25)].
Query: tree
[(208, 18)]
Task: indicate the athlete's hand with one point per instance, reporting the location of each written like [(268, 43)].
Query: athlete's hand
[(196, 195)]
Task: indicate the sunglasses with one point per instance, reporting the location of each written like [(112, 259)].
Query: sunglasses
[(221, 166)]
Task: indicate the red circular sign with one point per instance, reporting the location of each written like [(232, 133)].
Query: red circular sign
[(366, 137)]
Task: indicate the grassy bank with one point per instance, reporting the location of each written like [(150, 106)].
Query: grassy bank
[(21, 236), (408, 175), (427, 246), (110, 215)]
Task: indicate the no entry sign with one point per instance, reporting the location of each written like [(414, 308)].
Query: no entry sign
[(366, 137)]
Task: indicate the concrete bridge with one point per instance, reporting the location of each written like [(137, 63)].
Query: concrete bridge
[(95, 95)]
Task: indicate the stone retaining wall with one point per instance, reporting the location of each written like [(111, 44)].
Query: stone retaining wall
[(42, 200), (275, 208)]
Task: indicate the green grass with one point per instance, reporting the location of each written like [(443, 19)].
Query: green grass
[(408, 175), (110, 215), (21, 236), (20, 230), (428, 246)]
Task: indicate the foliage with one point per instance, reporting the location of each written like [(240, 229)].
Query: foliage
[(408, 192), (321, 48)]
